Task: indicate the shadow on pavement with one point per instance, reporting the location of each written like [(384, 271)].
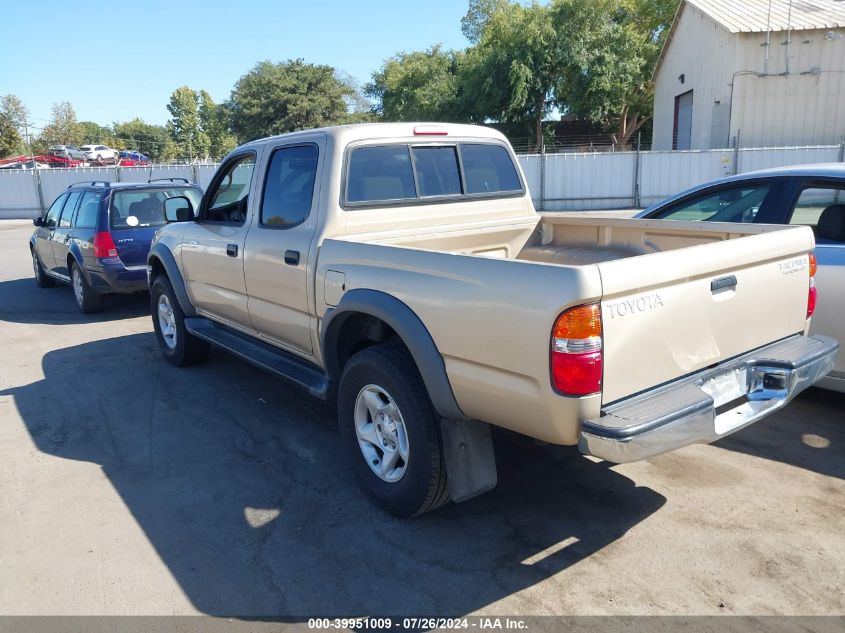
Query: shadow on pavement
[(21, 301), (811, 436), (238, 482)]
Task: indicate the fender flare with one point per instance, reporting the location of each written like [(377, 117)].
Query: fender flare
[(408, 326), (162, 254)]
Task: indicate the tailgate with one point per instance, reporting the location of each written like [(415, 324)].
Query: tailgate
[(133, 245), (668, 314)]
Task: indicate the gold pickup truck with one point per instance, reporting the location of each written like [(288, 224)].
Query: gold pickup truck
[(401, 270)]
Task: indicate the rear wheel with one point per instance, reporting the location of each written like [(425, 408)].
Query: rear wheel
[(86, 299), (391, 432), (42, 279), (178, 346)]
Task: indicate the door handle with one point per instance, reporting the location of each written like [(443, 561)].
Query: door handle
[(723, 283), (292, 258), (232, 250)]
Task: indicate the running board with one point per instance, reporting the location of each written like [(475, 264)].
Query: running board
[(272, 359)]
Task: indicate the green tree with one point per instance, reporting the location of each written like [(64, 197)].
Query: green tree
[(63, 128), (275, 98), (418, 86), (11, 143), (184, 124), (608, 49), (14, 118), (213, 123), (152, 140), (16, 135), (477, 16), (96, 134), (510, 74)]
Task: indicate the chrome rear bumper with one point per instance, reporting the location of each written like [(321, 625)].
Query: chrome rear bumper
[(710, 404)]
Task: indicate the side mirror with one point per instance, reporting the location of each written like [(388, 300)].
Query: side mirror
[(178, 209), (39, 221)]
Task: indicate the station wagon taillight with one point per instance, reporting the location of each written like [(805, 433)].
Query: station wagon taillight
[(576, 351), (812, 293), (104, 245)]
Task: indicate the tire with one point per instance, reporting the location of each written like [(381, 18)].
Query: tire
[(385, 376), (87, 300), (178, 346), (42, 279)]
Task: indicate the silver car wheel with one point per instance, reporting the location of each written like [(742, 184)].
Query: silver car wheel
[(36, 266), (78, 290), (381, 432), (167, 322)]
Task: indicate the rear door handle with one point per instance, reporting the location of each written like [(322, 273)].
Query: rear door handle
[(232, 250), (723, 283), (292, 258)]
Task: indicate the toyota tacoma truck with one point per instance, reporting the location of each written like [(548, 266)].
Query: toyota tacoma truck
[(401, 270)]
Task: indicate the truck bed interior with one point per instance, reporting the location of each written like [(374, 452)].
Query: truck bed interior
[(573, 241)]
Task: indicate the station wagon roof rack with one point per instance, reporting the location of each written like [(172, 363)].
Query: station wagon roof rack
[(185, 180), (105, 183)]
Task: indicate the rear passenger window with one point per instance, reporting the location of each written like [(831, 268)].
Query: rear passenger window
[(86, 217), (488, 169), (380, 173), (289, 186), (67, 212), (823, 209), (437, 171)]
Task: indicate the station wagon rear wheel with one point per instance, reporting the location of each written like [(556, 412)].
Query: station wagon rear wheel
[(391, 432), (86, 299), (42, 279)]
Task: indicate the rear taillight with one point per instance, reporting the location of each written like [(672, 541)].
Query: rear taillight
[(576, 354), (812, 294), (104, 245)]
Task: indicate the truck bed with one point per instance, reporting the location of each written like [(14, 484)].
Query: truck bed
[(514, 276)]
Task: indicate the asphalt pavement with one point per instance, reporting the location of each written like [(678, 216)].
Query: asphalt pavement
[(128, 486)]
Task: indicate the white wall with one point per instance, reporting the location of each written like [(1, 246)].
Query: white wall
[(704, 53), (805, 107)]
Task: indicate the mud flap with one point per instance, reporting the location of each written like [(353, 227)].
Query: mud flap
[(470, 461)]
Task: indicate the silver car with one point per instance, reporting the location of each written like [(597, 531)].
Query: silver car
[(71, 152), (809, 195)]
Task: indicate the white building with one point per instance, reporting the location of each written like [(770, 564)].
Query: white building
[(772, 71)]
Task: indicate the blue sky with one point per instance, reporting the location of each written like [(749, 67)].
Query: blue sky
[(117, 60)]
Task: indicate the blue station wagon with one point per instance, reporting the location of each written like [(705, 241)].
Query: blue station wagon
[(96, 236)]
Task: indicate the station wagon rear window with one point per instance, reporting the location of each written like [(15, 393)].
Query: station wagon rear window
[(400, 173), (134, 208)]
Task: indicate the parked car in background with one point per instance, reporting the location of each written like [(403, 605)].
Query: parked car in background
[(134, 154), (71, 152), (96, 236), (806, 195), (100, 153)]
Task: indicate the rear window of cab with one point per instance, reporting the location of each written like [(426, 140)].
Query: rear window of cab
[(405, 173)]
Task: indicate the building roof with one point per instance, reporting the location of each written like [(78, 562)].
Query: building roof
[(755, 16)]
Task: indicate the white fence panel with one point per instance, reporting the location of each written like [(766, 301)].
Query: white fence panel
[(18, 194), (577, 182), (143, 174), (530, 164), (204, 174), (752, 159), (663, 174), (570, 181), (54, 181)]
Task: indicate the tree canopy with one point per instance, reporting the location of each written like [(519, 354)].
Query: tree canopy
[(184, 124), (275, 98), (63, 129), (418, 86)]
